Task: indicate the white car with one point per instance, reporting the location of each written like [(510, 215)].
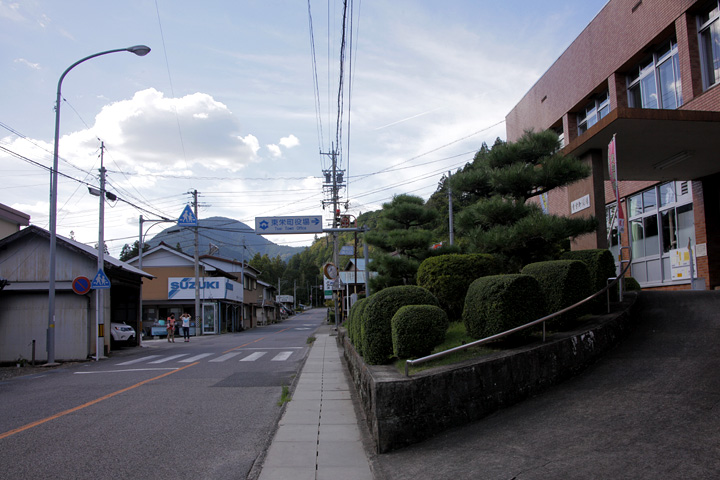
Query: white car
[(122, 333)]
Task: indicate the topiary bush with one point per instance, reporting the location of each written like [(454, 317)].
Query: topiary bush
[(355, 322), (449, 276), (417, 329), (498, 303), (601, 266), (631, 285), (376, 328), (563, 283)]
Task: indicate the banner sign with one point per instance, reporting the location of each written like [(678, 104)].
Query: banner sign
[(211, 288), (612, 170)]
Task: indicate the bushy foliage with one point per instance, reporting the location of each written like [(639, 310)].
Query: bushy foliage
[(496, 186), (402, 240), (417, 329), (449, 276), (563, 283), (498, 303), (354, 323), (632, 285), (376, 328), (601, 266)]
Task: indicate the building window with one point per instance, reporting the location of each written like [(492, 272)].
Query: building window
[(709, 28), (661, 221), (593, 112), (655, 83)]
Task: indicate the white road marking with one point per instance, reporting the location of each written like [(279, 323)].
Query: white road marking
[(167, 359), (253, 356), (138, 360), (196, 357), (227, 356), (126, 370), (282, 356)]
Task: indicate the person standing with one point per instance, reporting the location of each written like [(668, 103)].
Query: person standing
[(170, 325), (185, 325)]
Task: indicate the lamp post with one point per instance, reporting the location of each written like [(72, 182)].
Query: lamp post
[(140, 50), (141, 245)]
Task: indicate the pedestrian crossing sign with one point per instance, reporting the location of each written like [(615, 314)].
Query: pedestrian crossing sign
[(187, 218), (101, 280)]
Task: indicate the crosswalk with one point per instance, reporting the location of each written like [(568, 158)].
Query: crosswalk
[(245, 356)]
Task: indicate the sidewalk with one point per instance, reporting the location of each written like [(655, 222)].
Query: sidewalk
[(318, 436)]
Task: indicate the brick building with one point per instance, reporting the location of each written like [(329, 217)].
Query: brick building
[(648, 73)]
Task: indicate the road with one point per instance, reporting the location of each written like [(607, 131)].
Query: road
[(203, 409)]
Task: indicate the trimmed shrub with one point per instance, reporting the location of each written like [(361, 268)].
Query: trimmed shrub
[(601, 265), (417, 329), (376, 328), (632, 285), (354, 323), (449, 276), (498, 303), (563, 283)]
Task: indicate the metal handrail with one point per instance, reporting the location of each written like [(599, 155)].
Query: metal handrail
[(542, 320)]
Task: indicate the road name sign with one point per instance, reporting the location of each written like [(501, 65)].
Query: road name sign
[(288, 225)]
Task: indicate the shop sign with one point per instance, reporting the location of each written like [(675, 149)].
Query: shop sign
[(183, 288)]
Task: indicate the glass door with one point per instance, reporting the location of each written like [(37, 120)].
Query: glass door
[(209, 318)]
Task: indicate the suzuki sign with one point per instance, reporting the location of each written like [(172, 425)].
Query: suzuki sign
[(211, 288)]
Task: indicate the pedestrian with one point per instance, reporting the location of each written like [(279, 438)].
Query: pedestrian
[(170, 325), (185, 325)]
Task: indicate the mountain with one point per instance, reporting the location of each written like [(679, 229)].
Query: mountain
[(225, 237)]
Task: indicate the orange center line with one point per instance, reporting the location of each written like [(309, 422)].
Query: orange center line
[(88, 404), (250, 343)]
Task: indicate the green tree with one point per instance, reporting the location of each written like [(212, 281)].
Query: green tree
[(129, 252), (497, 186), (402, 240)]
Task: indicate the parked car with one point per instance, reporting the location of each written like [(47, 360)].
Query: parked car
[(121, 332)]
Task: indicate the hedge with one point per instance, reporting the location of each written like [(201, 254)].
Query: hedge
[(449, 276), (355, 321), (498, 303), (376, 328), (417, 329), (601, 265), (563, 283)]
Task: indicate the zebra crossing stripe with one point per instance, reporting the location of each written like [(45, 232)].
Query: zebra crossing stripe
[(138, 360), (227, 356), (253, 356), (282, 356), (196, 357), (167, 359)]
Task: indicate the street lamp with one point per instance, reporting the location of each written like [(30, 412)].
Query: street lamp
[(141, 245), (140, 50)]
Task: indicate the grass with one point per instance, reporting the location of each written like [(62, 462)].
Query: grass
[(284, 396), (310, 340), (455, 336)]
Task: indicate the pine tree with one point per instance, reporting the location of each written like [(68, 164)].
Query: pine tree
[(498, 185)]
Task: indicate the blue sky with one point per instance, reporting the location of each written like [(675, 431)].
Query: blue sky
[(225, 103)]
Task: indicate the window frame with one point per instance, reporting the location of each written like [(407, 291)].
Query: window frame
[(593, 111), (712, 12), (651, 66)]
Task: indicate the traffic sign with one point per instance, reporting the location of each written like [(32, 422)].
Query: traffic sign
[(101, 281), (187, 218), (81, 285), (285, 225)]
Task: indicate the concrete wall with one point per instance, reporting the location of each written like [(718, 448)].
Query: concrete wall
[(401, 410)]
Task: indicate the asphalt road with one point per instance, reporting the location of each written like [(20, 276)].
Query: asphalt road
[(203, 409)]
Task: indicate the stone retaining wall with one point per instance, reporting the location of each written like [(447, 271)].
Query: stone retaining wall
[(404, 410)]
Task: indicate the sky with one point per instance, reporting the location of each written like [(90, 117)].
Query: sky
[(239, 101)]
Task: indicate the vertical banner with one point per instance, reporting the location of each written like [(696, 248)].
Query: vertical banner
[(612, 170)]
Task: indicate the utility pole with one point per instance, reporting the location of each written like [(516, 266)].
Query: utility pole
[(198, 316), (450, 209), (100, 293)]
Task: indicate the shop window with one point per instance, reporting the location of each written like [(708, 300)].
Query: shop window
[(709, 28), (655, 82)]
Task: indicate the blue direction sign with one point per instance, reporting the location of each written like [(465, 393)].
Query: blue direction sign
[(286, 225), (100, 281), (187, 218)]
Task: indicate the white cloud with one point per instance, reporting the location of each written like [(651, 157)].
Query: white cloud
[(274, 150), (34, 66), (290, 141)]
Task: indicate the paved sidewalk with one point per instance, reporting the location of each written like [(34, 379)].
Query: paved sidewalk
[(318, 436)]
